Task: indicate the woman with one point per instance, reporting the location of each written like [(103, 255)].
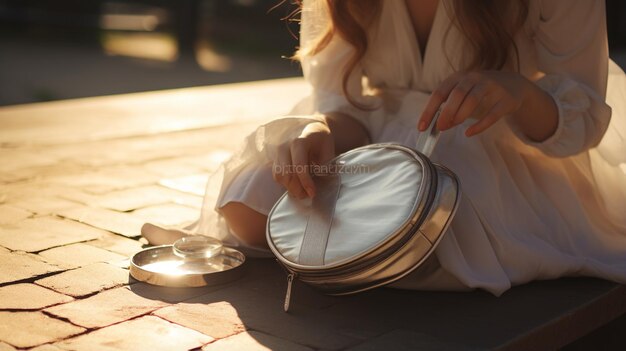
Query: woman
[(521, 86)]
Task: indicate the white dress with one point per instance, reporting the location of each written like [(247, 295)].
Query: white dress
[(528, 210)]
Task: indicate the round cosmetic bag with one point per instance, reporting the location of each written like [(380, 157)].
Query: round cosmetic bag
[(379, 211)]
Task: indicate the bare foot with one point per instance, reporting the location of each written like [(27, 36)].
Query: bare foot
[(161, 236)]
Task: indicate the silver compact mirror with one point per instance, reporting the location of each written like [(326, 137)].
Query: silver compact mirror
[(191, 261)]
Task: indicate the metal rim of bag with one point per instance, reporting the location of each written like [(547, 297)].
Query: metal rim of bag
[(382, 264), (335, 279), (418, 206)]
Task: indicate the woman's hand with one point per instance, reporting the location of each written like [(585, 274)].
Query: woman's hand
[(485, 96), (315, 145)]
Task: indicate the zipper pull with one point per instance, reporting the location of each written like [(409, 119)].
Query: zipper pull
[(290, 278)]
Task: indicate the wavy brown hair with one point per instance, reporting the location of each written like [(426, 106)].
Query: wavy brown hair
[(489, 26)]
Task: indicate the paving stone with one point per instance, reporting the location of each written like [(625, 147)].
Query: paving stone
[(116, 222), (30, 190), (218, 320), (37, 174), (12, 177), (193, 184), (116, 243), (86, 198), (79, 197), (400, 340), (25, 175), (168, 214), (169, 294), (114, 153), (171, 168), (125, 263), (10, 214), (106, 308), (265, 314), (105, 180), (36, 234), (29, 297), (15, 159), (267, 278), (28, 329), (86, 280), (138, 150), (46, 347), (145, 333), (23, 266), (111, 117), (230, 137), (132, 199), (78, 255), (43, 205), (253, 341), (208, 161), (190, 200), (106, 153)]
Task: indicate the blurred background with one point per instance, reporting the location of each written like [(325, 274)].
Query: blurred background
[(60, 49)]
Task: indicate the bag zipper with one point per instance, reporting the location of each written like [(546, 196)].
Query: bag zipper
[(290, 279)]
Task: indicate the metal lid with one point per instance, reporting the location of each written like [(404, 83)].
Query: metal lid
[(191, 262), (197, 247)]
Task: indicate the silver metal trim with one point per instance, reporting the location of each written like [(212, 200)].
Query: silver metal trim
[(417, 211), (379, 265)]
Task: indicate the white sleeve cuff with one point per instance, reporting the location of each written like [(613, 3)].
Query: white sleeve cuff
[(577, 125)]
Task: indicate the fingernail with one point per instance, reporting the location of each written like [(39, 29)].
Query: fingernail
[(310, 192)]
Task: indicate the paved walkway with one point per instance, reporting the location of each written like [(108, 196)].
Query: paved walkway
[(77, 180)]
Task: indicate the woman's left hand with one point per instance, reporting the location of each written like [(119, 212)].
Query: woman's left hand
[(485, 96)]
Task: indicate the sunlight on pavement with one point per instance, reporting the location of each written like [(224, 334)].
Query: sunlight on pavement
[(210, 60), (192, 184), (129, 22), (152, 46)]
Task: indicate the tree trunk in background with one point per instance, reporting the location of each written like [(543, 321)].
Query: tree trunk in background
[(187, 26)]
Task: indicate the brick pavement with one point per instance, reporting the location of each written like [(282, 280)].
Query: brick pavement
[(77, 180)]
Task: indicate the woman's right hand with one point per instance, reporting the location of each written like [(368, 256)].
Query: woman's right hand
[(291, 169)]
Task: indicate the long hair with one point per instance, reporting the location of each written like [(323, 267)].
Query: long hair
[(489, 26)]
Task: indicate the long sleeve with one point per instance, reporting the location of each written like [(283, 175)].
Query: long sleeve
[(572, 51)]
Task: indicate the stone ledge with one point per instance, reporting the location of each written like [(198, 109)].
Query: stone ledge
[(81, 150)]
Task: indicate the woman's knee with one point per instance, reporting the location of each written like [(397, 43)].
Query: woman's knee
[(247, 224)]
